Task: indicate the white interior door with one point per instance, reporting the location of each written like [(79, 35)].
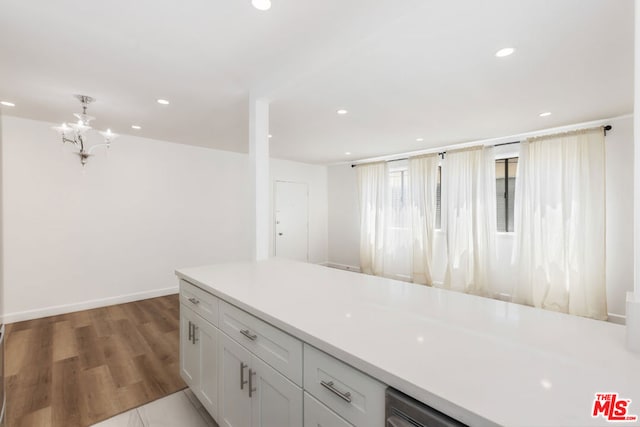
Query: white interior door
[(292, 220)]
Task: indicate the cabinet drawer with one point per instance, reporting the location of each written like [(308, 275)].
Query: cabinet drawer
[(356, 397), (203, 303), (279, 349), (318, 415)]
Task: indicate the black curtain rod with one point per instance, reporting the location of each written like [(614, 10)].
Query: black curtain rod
[(442, 153), (403, 158), (507, 143)]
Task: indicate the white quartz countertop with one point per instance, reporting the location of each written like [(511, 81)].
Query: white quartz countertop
[(481, 361)]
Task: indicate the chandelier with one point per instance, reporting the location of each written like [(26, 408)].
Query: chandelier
[(75, 132)]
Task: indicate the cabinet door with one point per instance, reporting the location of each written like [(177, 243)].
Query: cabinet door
[(354, 396), (318, 415), (234, 402), (275, 401), (207, 339), (189, 354)]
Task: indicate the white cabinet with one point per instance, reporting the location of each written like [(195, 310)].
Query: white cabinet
[(189, 364), (276, 401), (234, 402), (198, 357), (249, 373), (202, 303), (318, 415), (252, 393), (207, 338), (279, 349), (354, 396)]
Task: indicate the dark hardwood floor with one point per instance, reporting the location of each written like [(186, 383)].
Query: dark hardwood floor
[(81, 368)]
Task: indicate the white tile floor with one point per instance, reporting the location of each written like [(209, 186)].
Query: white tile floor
[(181, 409)]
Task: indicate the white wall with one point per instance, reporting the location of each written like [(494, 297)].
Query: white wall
[(1, 235), (620, 229), (316, 178), (344, 217), (117, 230), (344, 221)]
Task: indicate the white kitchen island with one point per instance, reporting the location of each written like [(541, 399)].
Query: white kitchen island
[(480, 361)]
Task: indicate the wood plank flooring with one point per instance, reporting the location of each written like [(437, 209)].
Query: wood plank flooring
[(81, 368)]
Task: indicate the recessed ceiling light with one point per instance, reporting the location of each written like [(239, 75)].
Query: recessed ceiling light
[(505, 52), (270, 136), (342, 112), (163, 101), (419, 139), (348, 153), (546, 383), (545, 114), (136, 127), (7, 104), (261, 4)]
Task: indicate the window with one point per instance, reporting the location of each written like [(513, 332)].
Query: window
[(505, 192), (399, 188), (397, 241), (439, 200), (398, 181)]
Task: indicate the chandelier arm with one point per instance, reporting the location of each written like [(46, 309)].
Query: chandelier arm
[(81, 143)]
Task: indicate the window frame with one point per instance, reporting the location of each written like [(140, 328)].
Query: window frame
[(505, 158), (439, 199), (401, 167)]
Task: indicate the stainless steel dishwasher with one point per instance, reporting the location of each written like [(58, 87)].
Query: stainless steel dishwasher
[(403, 411)]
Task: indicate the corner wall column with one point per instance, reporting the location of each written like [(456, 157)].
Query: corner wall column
[(633, 298), (259, 154)]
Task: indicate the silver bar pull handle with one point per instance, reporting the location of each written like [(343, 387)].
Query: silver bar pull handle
[(194, 300), (251, 389), (190, 333), (195, 339), (242, 380), (248, 334), (346, 396)]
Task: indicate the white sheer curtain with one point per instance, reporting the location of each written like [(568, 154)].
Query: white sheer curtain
[(469, 218), (372, 187), (397, 239), (560, 223), (423, 177)]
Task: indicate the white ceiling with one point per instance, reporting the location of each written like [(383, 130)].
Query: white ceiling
[(404, 69)]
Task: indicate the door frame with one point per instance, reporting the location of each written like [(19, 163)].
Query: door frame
[(275, 209)]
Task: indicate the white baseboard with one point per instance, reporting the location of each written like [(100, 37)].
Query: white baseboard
[(342, 266), (617, 318), (612, 317), (86, 305)]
